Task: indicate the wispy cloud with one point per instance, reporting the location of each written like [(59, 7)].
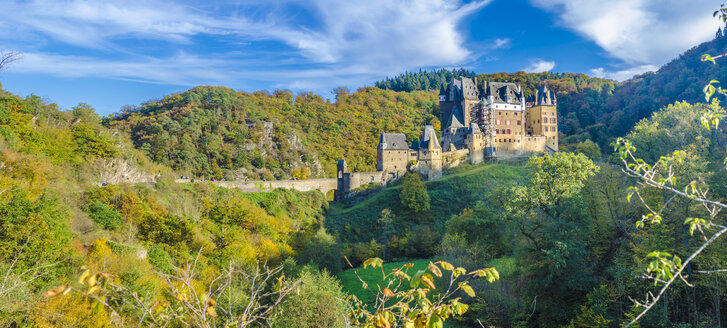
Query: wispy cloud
[(539, 65), (641, 34), (158, 41), (501, 43), (622, 75)]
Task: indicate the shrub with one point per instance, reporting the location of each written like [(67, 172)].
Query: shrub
[(322, 251), (319, 302), (104, 215), (160, 259), (414, 193)]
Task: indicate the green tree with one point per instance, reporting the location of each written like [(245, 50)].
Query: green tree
[(317, 302), (414, 193)]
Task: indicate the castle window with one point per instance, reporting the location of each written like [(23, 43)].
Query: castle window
[(518, 122), (507, 122), (508, 131), (498, 122)]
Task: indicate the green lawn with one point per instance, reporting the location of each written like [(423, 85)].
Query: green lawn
[(372, 276)]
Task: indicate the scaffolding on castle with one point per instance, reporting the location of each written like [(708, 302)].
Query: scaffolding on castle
[(485, 120)]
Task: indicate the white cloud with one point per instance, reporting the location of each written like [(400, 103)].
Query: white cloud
[(622, 75), (501, 43), (539, 65), (373, 38), (640, 33)]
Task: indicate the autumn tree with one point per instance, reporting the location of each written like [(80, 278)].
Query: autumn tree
[(414, 193)]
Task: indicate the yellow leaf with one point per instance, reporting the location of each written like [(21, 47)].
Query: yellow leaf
[(388, 293), (427, 281), (433, 269), (211, 312), (92, 290), (83, 277), (92, 280), (55, 291), (446, 265)]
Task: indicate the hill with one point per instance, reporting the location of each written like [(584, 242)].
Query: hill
[(417, 234), (594, 108), (218, 132)]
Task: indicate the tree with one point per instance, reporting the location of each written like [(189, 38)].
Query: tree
[(236, 297), (8, 57), (666, 267), (413, 193)]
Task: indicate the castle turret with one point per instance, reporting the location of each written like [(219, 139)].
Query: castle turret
[(343, 180), (430, 154)]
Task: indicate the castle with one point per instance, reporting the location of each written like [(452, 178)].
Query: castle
[(479, 121)]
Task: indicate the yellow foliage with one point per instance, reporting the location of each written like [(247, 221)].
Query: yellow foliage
[(23, 170), (72, 310)]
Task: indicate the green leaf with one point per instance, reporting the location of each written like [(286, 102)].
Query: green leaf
[(374, 262), (435, 321), (449, 267), (467, 289)]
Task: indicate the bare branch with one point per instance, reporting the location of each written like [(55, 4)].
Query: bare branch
[(8, 57), (677, 274)]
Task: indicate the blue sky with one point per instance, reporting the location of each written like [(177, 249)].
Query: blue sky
[(112, 53)]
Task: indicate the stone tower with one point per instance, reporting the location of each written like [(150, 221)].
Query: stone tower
[(430, 155), (343, 181), (542, 117), (476, 144), (393, 154)]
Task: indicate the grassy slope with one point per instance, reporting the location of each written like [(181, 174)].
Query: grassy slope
[(449, 196)]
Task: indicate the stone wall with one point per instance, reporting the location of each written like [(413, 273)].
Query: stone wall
[(454, 158), (324, 185)]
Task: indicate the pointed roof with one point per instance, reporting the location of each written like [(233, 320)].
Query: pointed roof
[(429, 139), (456, 118), (475, 128), (500, 91), (393, 141), (544, 97)]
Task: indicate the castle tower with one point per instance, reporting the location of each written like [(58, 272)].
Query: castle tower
[(393, 153), (430, 155), (476, 144), (542, 117), (343, 180)]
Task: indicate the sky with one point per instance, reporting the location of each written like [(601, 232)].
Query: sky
[(113, 53)]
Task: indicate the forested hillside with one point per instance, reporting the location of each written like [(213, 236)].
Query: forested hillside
[(218, 132), (67, 207), (594, 108)]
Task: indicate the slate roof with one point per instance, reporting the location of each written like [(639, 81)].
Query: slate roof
[(462, 88), (393, 141), (456, 118), (475, 128), (429, 138), (501, 90), (545, 96)]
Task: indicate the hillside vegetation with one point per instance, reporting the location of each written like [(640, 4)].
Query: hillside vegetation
[(218, 132), (409, 233)]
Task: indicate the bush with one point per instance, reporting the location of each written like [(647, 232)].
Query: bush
[(323, 251), (104, 215), (319, 302), (160, 259), (414, 193)]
